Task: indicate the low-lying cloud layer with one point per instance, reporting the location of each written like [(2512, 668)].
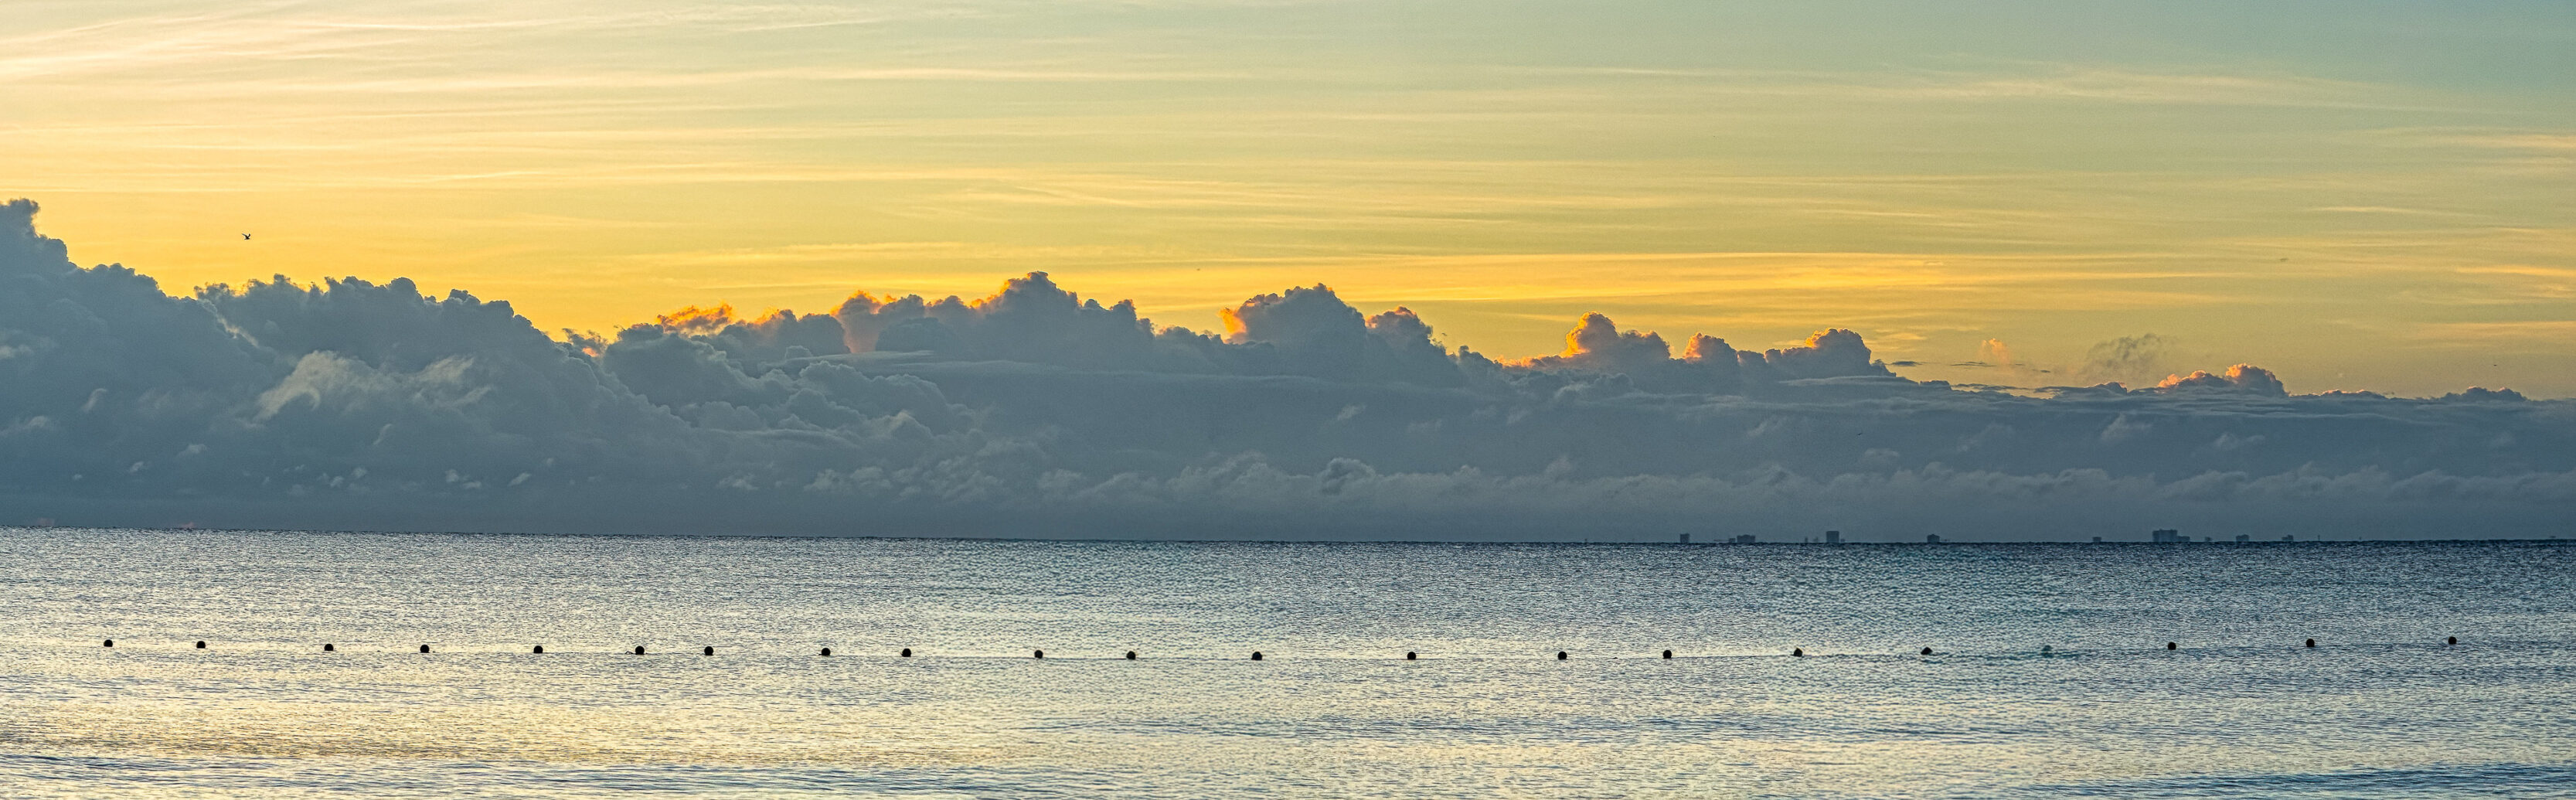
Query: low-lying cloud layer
[(1035, 412)]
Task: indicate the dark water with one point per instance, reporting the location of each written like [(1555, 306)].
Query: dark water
[(2381, 708)]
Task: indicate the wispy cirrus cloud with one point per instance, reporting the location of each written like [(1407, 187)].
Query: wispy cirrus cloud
[(2482, 334)]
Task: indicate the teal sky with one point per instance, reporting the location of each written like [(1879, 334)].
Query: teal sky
[(2355, 195)]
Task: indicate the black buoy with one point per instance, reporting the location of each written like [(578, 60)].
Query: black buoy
[(1408, 655), (1797, 652), (1037, 653), (539, 649), (1131, 655), (424, 648), (328, 648), (1560, 655), (827, 651), (1668, 654), (2451, 640), (1256, 655), (2172, 646), (639, 649), (711, 650), (108, 643), (201, 644), (2312, 642), (907, 652), (1927, 651)]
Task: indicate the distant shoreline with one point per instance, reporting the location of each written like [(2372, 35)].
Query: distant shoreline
[(1945, 542)]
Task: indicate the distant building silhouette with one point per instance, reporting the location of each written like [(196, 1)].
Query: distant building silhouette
[(1685, 538), (1833, 537), (2242, 538), (2167, 536), (1744, 539), (2097, 540), (1931, 538), (2289, 538)]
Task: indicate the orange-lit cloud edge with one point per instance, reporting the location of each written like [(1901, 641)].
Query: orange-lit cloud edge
[(1595, 343)]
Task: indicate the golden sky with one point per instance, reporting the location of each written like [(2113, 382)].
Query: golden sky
[(2357, 195)]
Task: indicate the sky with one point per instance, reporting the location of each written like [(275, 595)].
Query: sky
[(1292, 270), (2359, 196)]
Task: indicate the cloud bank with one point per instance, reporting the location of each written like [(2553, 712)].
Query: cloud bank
[(1037, 412)]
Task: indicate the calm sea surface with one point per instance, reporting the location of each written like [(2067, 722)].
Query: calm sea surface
[(2049, 677)]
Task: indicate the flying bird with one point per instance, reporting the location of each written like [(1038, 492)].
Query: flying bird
[(245, 236)]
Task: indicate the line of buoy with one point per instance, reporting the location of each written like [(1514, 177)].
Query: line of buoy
[(1409, 655)]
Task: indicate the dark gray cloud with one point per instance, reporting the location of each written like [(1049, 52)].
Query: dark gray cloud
[(2126, 358), (1034, 411)]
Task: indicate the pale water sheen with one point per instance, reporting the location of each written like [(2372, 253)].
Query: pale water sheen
[(2381, 709)]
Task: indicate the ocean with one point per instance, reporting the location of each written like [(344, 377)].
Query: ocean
[(2049, 674)]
